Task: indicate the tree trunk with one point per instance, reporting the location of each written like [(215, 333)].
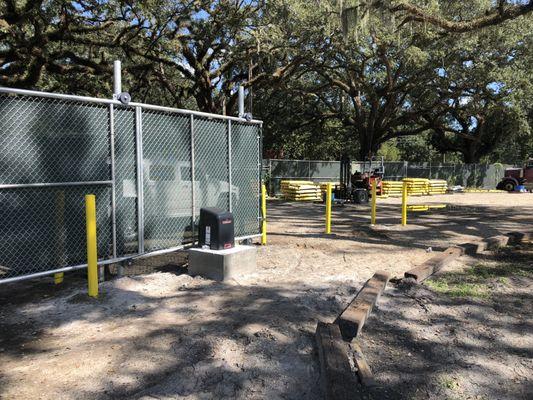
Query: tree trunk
[(369, 144), (470, 155)]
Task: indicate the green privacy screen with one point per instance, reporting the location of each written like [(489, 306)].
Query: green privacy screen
[(151, 169)]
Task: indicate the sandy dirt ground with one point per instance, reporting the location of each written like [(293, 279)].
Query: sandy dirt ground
[(167, 335)]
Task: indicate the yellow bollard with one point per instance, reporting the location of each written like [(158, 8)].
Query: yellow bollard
[(92, 255), (328, 208), (374, 199), (404, 204), (58, 278), (264, 214), (60, 236)]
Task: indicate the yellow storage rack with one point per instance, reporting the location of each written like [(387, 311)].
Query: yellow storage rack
[(415, 187), (301, 191)]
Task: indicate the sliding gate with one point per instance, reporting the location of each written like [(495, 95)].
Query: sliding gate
[(151, 168)]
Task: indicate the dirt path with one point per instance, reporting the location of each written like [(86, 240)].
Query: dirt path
[(464, 334), (168, 335)]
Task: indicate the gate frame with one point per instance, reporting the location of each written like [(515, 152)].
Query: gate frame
[(137, 107)]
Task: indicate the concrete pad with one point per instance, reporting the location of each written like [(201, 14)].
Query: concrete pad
[(221, 265)]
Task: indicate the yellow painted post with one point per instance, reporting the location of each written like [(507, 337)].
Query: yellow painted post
[(328, 208), (58, 278), (60, 235), (264, 214), (404, 204), (92, 255), (374, 199)]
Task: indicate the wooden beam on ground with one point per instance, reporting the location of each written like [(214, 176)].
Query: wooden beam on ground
[(335, 371), (493, 243), (473, 248), (353, 318), (496, 242), (520, 237), (363, 369), (434, 264)]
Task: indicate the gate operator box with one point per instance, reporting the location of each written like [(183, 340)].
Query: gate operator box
[(216, 229)]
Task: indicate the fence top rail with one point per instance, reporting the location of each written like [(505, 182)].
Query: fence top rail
[(292, 160), (424, 164), (96, 100)]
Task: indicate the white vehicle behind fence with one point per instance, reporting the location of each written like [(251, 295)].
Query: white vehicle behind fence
[(168, 187)]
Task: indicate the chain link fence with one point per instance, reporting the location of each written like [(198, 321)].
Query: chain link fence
[(484, 176), (151, 168)]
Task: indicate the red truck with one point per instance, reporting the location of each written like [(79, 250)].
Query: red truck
[(518, 176)]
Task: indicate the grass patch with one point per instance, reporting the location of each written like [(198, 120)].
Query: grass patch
[(479, 280), (448, 382), (459, 289)]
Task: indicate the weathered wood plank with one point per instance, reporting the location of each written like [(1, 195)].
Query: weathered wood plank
[(354, 316), (519, 237), (495, 242), (363, 369), (335, 371), (434, 264), (474, 248)]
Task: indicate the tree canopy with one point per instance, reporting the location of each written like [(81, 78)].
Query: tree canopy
[(327, 77)]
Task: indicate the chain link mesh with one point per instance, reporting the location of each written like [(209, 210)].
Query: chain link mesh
[(167, 179), (50, 141), (211, 173), (46, 140), (245, 172), (44, 228)]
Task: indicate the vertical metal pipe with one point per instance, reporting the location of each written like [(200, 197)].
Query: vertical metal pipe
[(61, 258), (193, 180), (264, 215), (92, 243), (117, 78), (241, 101), (259, 167), (140, 178), (269, 174), (374, 199), (113, 184), (229, 169), (404, 204), (329, 189)]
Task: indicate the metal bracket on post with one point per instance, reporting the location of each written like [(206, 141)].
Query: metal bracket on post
[(118, 94)]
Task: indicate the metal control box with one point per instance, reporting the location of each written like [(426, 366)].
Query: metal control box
[(216, 229)]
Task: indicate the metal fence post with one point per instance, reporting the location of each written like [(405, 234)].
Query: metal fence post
[(193, 181), (259, 170), (270, 177), (113, 182), (140, 178), (230, 201)]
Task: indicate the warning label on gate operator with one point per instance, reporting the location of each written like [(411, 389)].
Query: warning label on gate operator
[(207, 235)]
